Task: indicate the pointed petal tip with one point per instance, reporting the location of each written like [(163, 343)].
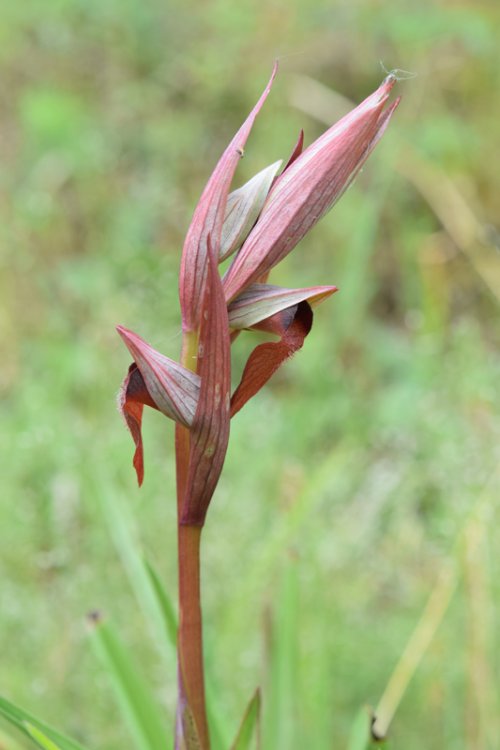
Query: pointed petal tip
[(388, 83), (208, 218), (385, 89), (395, 104), (136, 345), (129, 338), (139, 470), (261, 301), (124, 332), (384, 119), (297, 150), (323, 293), (382, 93)]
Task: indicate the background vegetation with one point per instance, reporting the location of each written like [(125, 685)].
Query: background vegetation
[(362, 471)]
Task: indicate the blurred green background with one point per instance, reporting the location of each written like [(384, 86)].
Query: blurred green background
[(362, 470)]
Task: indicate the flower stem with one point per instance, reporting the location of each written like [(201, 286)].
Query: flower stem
[(191, 707), (191, 721)]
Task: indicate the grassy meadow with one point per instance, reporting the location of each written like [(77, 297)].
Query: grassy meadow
[(362, 477)]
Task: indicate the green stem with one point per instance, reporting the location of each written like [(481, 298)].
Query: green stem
[(191, 724)]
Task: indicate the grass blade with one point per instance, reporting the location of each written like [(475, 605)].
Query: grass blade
[(218, 732), (125, 535), (41, 738), (283, 670), (431, 618), (22, 720), (9, 743), (138, 706), (250, 725), (360, 735), (164, 604), (151, 594)]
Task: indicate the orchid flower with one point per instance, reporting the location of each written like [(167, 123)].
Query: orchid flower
[(263, 221), (259, 224)]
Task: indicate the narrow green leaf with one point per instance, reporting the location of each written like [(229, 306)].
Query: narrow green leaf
[(41, 738), (218, 729), (21, 719), (9, 743), (138, 706), (250, 725), (124, 532), (151, 594), (164, 603), (360, 736), (279, 724)]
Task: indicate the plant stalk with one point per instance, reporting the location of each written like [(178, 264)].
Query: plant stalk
[(191, 723)]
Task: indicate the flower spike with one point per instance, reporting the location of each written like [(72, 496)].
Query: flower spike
[(309, 187), (260, 222), (208, 219)]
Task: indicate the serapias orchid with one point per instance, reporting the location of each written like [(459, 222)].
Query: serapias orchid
[(261, 222), (258, 224)]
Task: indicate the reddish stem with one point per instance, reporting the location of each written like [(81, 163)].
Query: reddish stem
[(191, 691)]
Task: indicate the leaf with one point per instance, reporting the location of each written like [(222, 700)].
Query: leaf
[(217, 725), (41, 738), (359, 737), (22, 719), (243, 208), (151, 595), (261, 301), (164, 603), (7, 742), (209, 434), (250, 725), (124, 533), (292, 325), (138, 706), (208, 219), (283, 660)]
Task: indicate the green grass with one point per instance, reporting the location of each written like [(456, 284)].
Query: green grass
[(350, 477)]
